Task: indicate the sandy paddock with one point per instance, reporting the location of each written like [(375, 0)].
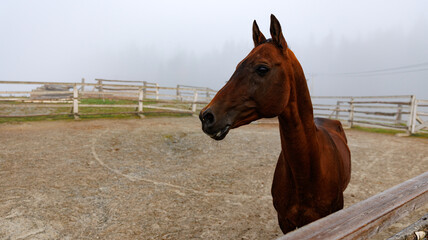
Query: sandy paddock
[(162, 178)]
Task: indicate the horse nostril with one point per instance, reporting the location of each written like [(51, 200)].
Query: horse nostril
[(208, 117)]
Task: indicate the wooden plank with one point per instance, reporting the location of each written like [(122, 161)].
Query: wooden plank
[(422, 101), (420, 127), (36, 92), (377, 113), (339, 117), (35, 105), (381, 102), (36, 82), (409, 232), (69, 83), (109, 93), (195, 99), (177, 112), (75, 102), (381, 107), (368, 217), (361, 97), (326, 105), (36, 115), (133, 112), (170, 109), (26, 100), (331, 109), (107, 113), (393, 120), (109, 105), (120, 88), (129, 81), (381, 124), (422, 113)]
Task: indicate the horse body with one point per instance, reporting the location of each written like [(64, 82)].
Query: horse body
[(313, 168)]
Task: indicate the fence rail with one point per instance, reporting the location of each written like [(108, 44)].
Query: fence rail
[(402, 112), (367, 218), (163, 99)]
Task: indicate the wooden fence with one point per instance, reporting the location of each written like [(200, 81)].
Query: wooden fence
[(184, 91), (367, 218), (403, 112), (163, 99)]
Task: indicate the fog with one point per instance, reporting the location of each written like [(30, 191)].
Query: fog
[(345, 47)]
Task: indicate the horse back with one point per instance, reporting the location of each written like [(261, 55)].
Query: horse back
[(332, 126), (335, 135)]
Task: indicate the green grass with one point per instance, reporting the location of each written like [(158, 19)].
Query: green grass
[(37, 118), (378, 130), (106, 101), (148, 112), (388, 131), (420, 135)]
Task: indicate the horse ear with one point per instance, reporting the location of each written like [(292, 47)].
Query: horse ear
[(258, 36), (276, 33)]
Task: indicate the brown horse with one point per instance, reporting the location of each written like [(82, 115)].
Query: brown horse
[(314, 166)]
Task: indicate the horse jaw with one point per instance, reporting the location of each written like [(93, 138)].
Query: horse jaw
[(220, 135)]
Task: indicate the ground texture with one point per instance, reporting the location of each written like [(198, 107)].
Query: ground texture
[(162, 178)]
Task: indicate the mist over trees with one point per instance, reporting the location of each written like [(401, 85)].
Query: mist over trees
[(333, 65)]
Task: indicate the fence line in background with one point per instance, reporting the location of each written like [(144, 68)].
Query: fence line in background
[(104, 89), (401, 112)]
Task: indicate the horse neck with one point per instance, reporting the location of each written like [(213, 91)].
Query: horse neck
[(297, 128)]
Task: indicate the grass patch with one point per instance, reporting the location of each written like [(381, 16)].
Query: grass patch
[(35, 118), (95, 116), (106, 101), (420, 135), (119, 112), (378, 130), (388, 131)]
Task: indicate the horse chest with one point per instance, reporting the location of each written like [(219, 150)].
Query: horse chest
[(298, 204)]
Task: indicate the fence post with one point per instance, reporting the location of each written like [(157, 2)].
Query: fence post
[(337, 109), (100, 85), (75, 102), (399, 112), (351, 113), (157, 91), (195, 98), (145, 87), (178, 92), (412, 117), (83, 85), (140, 102)]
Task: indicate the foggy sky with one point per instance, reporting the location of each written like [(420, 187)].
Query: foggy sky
[(200, 42)]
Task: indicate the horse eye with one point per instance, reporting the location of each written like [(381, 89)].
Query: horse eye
[(262, 70)]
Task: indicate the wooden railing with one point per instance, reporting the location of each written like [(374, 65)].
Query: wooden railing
[(403, 112), (367, 218), (71, 94)]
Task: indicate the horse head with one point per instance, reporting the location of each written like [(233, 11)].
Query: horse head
[(259, 87)]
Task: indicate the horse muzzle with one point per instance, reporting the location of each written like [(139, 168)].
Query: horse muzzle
[(211, 126)]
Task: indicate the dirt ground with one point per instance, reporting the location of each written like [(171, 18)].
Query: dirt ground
[(162, 178)]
